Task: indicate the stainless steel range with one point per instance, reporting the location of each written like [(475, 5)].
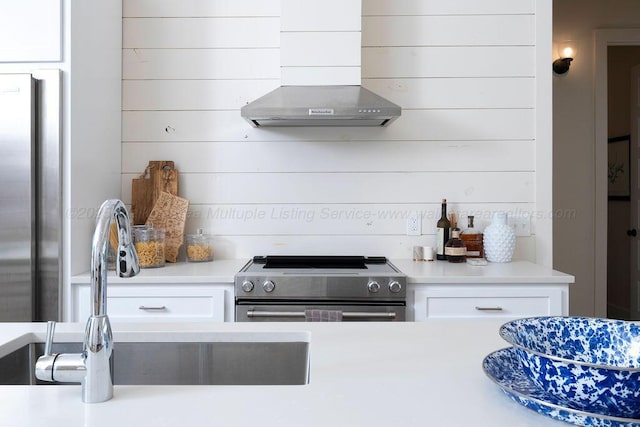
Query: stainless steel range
[(289, 288)]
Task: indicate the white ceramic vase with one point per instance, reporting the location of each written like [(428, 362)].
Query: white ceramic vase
[(499, 239)]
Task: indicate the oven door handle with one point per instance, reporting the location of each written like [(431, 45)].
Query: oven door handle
[(345, 315)]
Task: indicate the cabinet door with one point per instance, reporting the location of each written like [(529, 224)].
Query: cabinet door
[(486, 302), (181, 303), (30, 30)]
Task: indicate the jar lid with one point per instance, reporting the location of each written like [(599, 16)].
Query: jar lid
[(199, 237), (148, 232), (199, 234)]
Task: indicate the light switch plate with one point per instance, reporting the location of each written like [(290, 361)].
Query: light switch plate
[(521, 223)]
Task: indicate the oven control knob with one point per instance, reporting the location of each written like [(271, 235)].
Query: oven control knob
[(395, 286), (373, 287), (247, 286), (268, 286)]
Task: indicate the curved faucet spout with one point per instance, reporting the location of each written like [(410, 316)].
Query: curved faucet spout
[(92, 367), (126, 257)]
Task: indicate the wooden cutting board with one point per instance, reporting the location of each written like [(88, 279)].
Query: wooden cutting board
[(170, 213), (159, 176)]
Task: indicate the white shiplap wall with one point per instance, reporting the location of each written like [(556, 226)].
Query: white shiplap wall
[(464, 72)]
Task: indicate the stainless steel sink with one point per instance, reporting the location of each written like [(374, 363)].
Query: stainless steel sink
[(232, 362)]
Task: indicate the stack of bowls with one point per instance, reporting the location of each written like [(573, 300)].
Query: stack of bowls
[(588, 364)]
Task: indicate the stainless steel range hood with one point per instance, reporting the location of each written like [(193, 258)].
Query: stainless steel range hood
[(320, 74), (321, 106)]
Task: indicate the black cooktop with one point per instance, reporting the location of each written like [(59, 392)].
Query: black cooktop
[(317, 261)]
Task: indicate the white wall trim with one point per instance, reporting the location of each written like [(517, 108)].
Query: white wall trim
[(602, 40), (544, 133)]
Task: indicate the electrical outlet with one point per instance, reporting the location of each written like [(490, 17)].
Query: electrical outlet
[(521, 224), (414, 224)]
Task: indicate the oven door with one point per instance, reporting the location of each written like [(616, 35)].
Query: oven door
[(261, 311)]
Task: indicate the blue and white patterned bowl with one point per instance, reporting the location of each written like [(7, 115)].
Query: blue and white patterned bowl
[(592, 364), (504, 368)]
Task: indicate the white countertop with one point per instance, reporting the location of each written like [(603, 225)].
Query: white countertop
[(493, 272), (362, 374), (217, 271), (223, 271)]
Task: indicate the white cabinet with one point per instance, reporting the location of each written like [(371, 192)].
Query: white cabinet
[(160, 303), (487, 301), (30, 30)]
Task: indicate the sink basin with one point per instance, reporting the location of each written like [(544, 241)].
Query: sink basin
[(236, 359)]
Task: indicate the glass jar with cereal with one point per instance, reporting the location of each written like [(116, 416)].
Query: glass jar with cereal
[(199, 247), (149, 244)]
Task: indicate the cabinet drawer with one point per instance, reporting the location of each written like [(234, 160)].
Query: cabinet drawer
[(140, 304), (192, 307), (486, 303)]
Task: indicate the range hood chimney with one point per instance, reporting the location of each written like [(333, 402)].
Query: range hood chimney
[(320, 71)]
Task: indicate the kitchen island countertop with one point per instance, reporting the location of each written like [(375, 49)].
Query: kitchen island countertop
[(361, 374)]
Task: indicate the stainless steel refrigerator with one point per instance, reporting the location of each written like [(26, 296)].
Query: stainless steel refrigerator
[(30, 196)]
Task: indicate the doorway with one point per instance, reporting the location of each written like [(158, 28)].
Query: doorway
[(617, 51), (620, 62)]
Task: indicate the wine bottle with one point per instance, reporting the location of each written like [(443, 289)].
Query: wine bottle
[(442, 237)]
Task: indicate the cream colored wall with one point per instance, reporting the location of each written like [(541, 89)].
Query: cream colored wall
[(574, 141)]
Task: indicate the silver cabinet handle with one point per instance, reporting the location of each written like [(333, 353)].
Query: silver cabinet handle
[(345, 315), (362, 315), (150, 308), (488, 308)]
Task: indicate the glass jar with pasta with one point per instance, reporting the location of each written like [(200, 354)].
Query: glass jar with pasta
[(149, 244), (199, 247)]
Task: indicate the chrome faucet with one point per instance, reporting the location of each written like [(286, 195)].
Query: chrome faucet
[(92, 367)]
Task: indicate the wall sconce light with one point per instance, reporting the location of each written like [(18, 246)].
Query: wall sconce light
[(566, 53)]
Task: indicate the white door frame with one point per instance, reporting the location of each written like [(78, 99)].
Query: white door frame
[(602, 40)]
